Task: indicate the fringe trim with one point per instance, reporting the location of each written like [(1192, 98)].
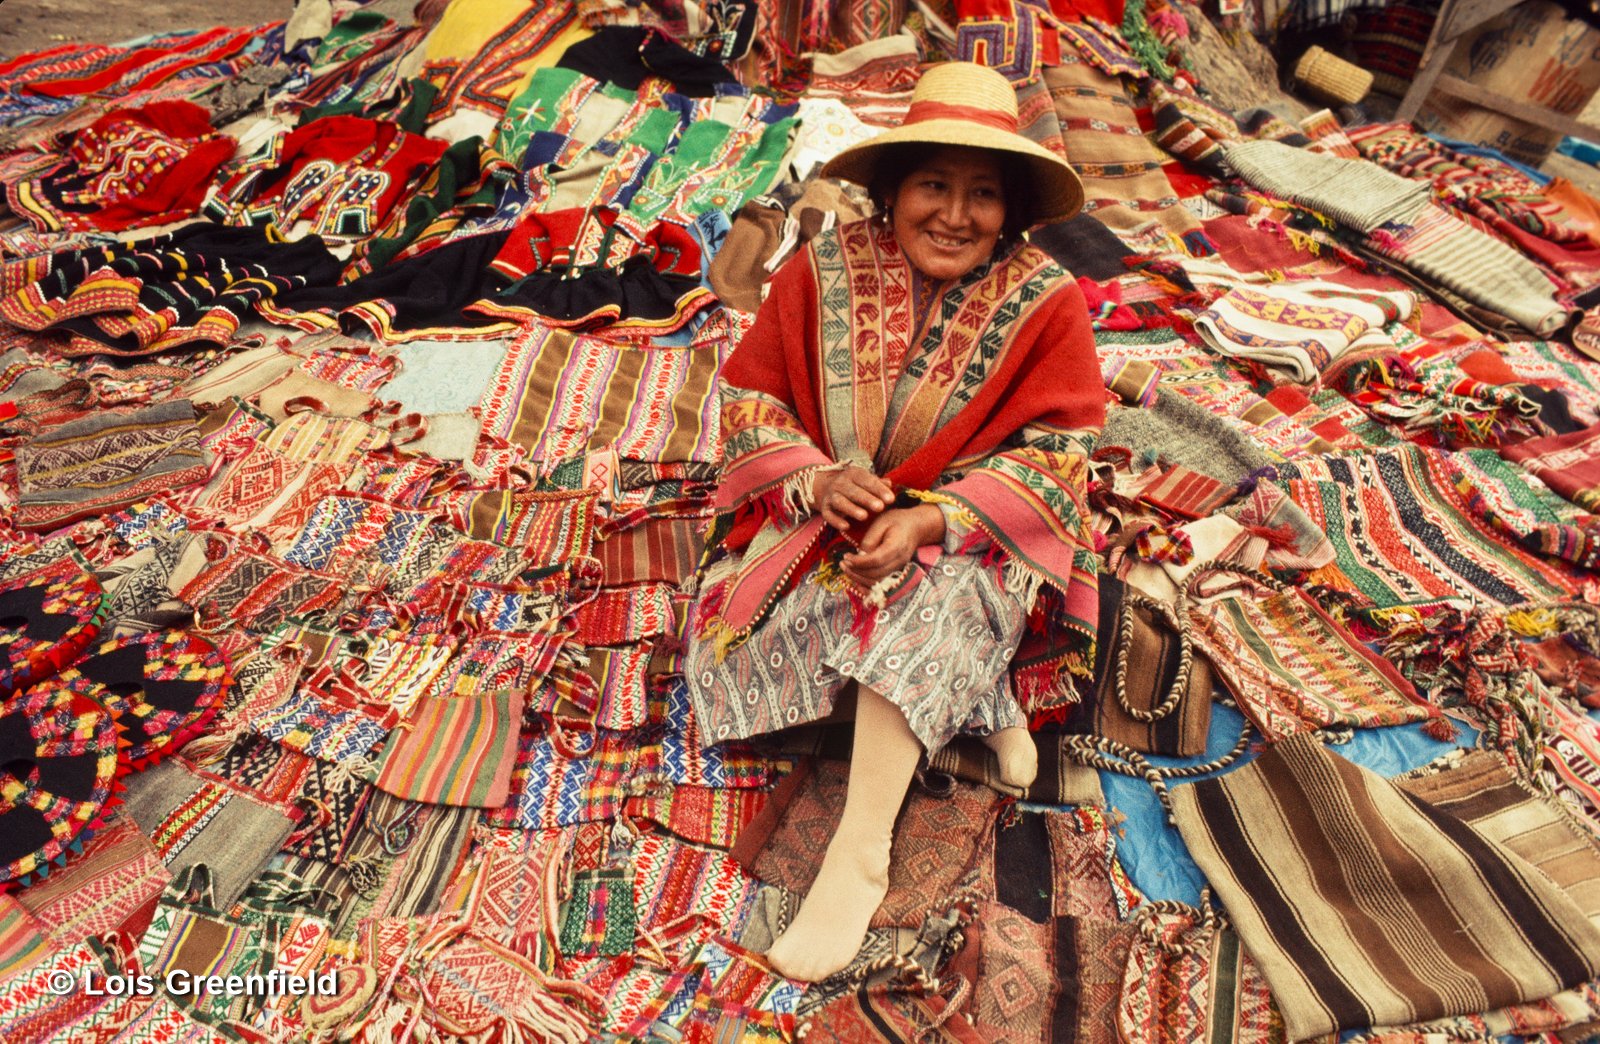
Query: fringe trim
[(1016, 576), (796, 489), (1021, 580)]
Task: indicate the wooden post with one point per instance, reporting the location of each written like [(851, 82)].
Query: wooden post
[(1456, 19)]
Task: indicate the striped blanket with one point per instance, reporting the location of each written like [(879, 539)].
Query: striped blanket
[(1444, 249), (558, 395), (1412, 525), (457, 750), (1366, 906)]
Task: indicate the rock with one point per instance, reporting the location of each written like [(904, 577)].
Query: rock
[(1235, 69)]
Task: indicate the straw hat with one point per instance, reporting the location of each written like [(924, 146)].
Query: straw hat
[(959, 103)]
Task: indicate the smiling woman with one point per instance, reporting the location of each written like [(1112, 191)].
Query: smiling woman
[(901, 516), (948, 212)]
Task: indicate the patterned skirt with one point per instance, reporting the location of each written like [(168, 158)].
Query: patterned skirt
[(941, 654)]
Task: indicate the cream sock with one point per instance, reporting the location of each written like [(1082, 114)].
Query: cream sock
[(854, 876), (1019, 758)]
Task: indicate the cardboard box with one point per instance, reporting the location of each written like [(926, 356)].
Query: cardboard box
[(1532, 53)]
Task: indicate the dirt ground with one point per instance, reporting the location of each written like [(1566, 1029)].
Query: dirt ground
[(35, 25)]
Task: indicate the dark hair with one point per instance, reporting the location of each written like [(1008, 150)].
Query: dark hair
[(897, 162)]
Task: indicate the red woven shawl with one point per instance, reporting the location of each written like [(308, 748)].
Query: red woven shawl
[(993, 410)]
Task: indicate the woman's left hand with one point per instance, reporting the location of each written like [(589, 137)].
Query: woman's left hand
[(890, 541)]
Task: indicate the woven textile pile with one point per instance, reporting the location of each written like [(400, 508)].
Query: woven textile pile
[(359, 427)]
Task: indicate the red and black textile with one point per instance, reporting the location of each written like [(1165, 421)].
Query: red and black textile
[(578, 239), (163, 688), (49, 83), (146, 66), (628, 55), (1389, 40), (131, 167), (187, 289), (635, 297), (47, 618), (425, 294), (58, 766), (341, 175)]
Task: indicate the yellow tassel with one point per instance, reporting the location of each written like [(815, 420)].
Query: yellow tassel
[(723, 639), (1534, 623), (1303, 241), (830, 578), (963, 514)]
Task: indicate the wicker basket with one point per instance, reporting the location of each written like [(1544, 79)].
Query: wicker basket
[(1331, 78)]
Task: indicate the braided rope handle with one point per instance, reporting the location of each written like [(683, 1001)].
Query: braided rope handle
[(1175, 618), (1207, 923), (909, 972), (1217, 570), (1102, 753)]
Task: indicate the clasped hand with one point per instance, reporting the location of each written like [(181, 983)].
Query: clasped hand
[(854, 495)]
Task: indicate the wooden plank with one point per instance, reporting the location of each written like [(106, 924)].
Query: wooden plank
[(1428, 73), (1468, 15), (1525, 111)]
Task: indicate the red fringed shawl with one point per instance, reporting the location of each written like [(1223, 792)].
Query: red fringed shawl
[(993, 411)]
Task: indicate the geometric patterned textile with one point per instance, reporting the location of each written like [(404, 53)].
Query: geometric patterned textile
[(1124, 185), (58, 757), (370, 499), (194, 818), (51, 612), (559, 395), (711, 816), (562, 779), (332, 798), (117, 874), (1293, 668), (483, 52), (1408, 526), (554, 527), (325, 725), (686, 893), (184, 289), (163, 688), (935, 843), (31, 1010), (131, 167), (259, 592), (1185, 981), (106, 461)]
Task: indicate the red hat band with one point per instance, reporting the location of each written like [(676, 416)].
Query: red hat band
[(938, 110)]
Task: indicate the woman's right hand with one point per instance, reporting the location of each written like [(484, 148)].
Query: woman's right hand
[(849, 496)]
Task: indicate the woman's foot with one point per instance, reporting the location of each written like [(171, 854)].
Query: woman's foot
[(1019, 758), (832, 922)]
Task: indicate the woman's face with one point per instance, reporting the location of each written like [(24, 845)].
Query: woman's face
[(948, 212)]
